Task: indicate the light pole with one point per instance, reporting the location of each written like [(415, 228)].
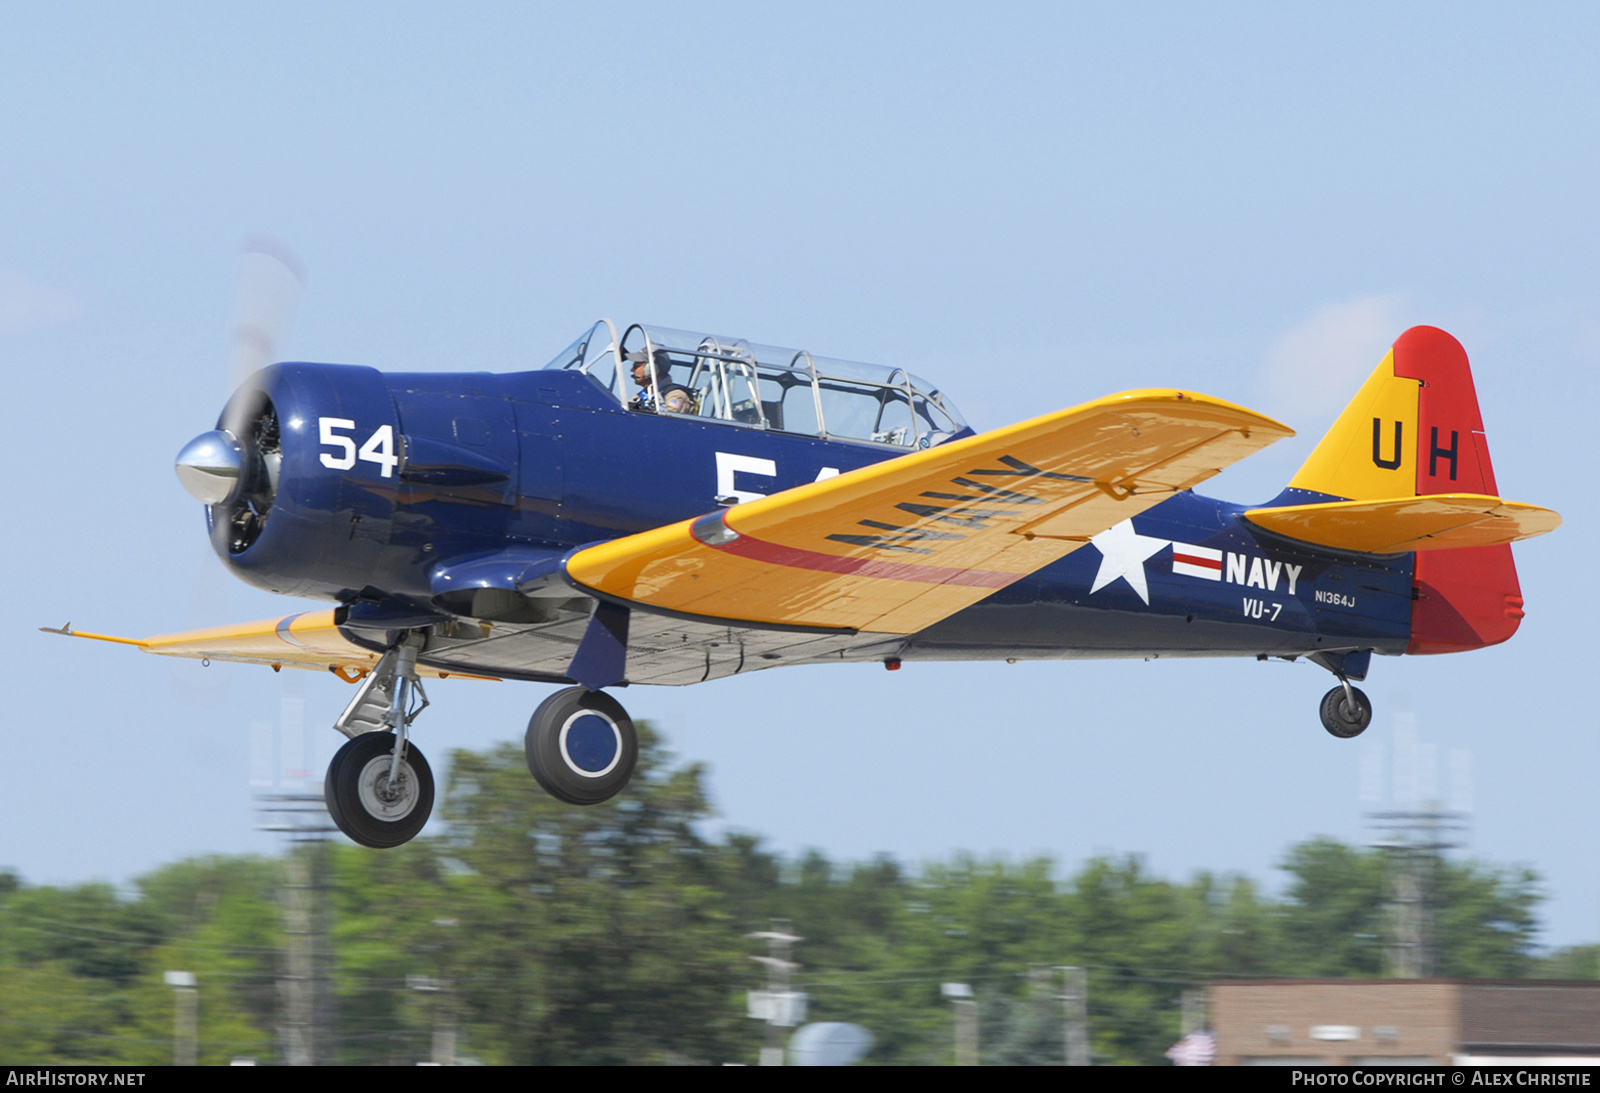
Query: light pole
[(778, 1006), (966, 1011), (185, 1017), (1075, 1014)]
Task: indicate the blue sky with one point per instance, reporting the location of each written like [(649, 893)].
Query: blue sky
[(1031, 205)]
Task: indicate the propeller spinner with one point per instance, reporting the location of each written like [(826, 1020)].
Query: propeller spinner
[(209, 466)]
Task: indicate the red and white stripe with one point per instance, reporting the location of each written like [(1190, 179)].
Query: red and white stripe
[(1196, 561)]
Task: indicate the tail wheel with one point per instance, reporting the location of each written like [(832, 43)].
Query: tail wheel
[(1342, 718), (369, 806), (581, 746)]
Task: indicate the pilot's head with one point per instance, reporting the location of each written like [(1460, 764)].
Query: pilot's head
[(643, 365)]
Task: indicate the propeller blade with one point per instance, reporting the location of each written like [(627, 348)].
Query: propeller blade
[(270, 278)]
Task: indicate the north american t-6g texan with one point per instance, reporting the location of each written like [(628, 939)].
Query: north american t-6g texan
[(657, 507)]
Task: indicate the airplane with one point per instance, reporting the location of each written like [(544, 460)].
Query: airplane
[(668, 508)]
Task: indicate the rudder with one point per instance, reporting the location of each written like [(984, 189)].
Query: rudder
[(1464, 599)]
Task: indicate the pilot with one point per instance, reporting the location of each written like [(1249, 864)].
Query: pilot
[(675, 398)]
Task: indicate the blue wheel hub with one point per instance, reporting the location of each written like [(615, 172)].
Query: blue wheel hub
[(590, 744)]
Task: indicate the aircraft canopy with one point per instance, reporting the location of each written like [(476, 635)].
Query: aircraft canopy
[(756, 386)]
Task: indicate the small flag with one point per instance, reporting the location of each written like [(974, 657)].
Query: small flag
[(1196, 561), (1198, 1048)]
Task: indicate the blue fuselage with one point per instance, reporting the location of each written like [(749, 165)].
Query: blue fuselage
[(576, 468)]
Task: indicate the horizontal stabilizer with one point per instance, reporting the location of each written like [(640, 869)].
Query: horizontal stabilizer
[(1439, 521), (896, 546)]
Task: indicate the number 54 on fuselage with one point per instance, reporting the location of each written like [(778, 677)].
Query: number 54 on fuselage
[(662, 507)]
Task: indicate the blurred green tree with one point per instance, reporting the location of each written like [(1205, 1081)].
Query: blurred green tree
[(1335, 921), (1484, 921), (590, 935), (1569, 962), (545, 933), (81, 970)]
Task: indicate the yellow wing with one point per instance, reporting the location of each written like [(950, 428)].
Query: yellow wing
[(897, 546), (307, 640)]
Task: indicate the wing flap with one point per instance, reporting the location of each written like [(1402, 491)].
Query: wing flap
[(896, 546), (1440, 521)]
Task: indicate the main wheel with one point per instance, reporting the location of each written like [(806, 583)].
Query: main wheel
[(581, 746), (365, 804), (1342, 721)]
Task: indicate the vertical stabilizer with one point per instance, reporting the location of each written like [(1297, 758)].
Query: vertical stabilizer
[(1369, 453), (1414, 429)]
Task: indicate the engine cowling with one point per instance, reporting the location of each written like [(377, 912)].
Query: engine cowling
[(312, 504)]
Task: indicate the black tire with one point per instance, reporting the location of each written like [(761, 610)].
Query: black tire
[(581, 746), (356, 791), (1339, 719)]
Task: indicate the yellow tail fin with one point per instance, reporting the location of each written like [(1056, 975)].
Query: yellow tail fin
[(1369, 452)]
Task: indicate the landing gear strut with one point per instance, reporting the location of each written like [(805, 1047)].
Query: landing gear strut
[(581, 746), (1346, 712), (379, 788)]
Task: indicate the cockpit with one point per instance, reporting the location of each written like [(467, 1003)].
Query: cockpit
[(742, 384)]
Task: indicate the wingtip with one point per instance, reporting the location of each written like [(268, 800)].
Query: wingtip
[(67, 631)]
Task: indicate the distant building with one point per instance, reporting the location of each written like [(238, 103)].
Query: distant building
[(1355, 1022)]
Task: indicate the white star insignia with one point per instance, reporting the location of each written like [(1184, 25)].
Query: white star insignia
[(1122, 554)]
